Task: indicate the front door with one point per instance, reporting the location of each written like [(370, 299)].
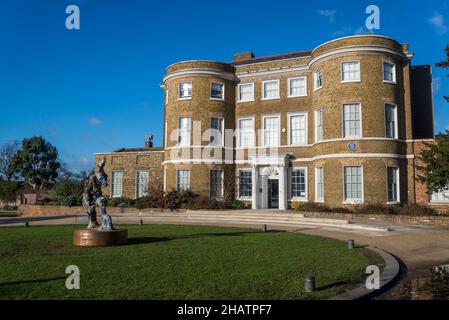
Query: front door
[(273, 193)]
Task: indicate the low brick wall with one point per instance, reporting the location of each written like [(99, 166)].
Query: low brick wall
[(410, 220), (41, 210)]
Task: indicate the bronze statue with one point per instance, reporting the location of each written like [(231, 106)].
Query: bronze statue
[(93, 197)]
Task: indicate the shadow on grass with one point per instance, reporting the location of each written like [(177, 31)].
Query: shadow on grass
[(331, 285), (143, 240), (12, 283)]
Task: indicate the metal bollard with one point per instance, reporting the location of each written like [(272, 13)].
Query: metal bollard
[(264, 228), (27, 224), (141, 222), (351, 244), (309, 283)]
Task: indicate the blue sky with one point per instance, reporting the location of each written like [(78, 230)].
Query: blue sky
[(97, 89)]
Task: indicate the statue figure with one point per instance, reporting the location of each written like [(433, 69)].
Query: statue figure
[(92, 197), (149, 138)]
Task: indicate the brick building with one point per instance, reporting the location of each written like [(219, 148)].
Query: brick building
[(341, 125)]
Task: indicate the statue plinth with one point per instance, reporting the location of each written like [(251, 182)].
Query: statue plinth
[(93, 238)]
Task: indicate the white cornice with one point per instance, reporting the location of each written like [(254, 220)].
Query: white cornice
[(200, 72)]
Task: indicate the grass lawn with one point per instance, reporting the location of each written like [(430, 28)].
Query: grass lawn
[(8, 213), (176, 262)]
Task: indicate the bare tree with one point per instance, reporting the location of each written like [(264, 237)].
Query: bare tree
[(7, 152)]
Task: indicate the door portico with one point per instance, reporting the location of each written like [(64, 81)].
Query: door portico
[(264, 169)]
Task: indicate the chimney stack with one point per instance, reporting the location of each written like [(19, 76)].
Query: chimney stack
[(243, 56)]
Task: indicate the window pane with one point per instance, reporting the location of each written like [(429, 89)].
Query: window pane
[(351, 119), (319, 184), (245, 184), (298, 129), (319, 125), (246, 92), (117, 184), (442, 196), (142, 178), (184, 131), (298, 87), (216, 90), (299, 183), (389, 70), (318, 79), (246, 133), (216, 134), (390, 120), (271, 131), (351, 71), (353, 184), (182, 180), (392, 174), (216, 183), (185, 89), (271, 89)]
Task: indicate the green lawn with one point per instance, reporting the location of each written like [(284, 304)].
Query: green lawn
[(176, 262)]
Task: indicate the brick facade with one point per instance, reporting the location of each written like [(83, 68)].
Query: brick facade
[(372, 150)]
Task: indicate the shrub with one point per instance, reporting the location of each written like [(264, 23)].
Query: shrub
[(417, 210), (204, 202), (8, 207), (145, 202), (72, 201), (376, 209), (68, 187), (172, 200), (237, 204), (120, 202)]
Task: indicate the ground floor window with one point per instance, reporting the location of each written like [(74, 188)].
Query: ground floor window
[(142, 178), (117, 184), (319, 184), (393, 184), (353, 184), (216, 183), (299, 183), (245, 184), (440, 197), (182, 180)]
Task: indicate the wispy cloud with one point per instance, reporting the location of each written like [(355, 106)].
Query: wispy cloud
[(437, 20), (341, 32), (95, 122), (328, 13)]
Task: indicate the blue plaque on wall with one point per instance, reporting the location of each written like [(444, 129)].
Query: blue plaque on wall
[(352, 146)]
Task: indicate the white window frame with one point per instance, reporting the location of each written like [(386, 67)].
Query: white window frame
[(442, 194), (221, 143), (342, 72), (177, 180), (138, 183), (181, 144), (345, 136), (278, 116), (289, 95), (179, 90), (353, 201), (306, 179), (315, 118), (223, 91), (278, 91), (319, 200), (394, 72), (398, 182), (222, 183), (113, 184), (244, 198), (315, 78), (289, 128), (239, 141), (238, 92), (395, 115)]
